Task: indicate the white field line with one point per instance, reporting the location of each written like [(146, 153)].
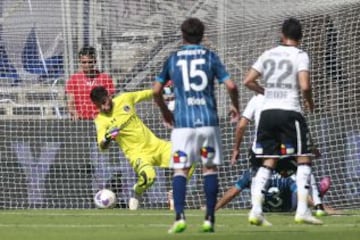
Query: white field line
[(83, 225), (135, 214), (119, 213), (296, 226)]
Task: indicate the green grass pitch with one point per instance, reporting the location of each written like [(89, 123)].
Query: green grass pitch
[(123, 224)]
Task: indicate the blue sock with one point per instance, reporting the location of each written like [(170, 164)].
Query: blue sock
[(211, 188), (179, 193)]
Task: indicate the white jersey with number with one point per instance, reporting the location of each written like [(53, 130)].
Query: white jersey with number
[(279, 67)]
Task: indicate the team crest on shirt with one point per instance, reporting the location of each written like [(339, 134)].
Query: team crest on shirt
[(207, 153), (287, 149), (127, 108), (179, 157)]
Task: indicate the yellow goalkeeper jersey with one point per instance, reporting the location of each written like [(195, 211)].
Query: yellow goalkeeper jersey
[(135, 139)]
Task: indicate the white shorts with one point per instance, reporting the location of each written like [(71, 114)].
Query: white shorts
[(194, 144)]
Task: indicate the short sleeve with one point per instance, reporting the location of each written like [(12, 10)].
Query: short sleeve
[(258, 65), (250, 109), (304, 62), (219, 68), (165, 73)]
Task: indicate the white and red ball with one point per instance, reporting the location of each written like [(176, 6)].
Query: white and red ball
[(105, 198)]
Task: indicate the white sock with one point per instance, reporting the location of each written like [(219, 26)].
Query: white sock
[(314, 191), (257, 188), (302, 182)]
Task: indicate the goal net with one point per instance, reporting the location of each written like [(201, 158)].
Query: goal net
[(48, 160)]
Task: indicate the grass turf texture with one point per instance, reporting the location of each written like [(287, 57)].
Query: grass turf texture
[(153, 224)]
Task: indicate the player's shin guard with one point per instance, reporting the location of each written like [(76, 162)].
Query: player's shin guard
[(259, 184), (211, 189), (302, 182), (179, 193)]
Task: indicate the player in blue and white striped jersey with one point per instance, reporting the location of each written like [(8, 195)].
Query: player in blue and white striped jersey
[(193, 70), (196, 134)]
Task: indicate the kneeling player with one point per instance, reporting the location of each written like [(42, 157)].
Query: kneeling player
[(281, 191)]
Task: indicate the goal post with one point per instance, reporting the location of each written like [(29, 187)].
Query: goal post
[(50, 161)]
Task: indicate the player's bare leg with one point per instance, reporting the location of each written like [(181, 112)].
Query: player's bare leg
[(316, 198), (324, 186), (228, 196)]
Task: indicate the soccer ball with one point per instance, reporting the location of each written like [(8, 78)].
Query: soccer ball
[(105, 198)]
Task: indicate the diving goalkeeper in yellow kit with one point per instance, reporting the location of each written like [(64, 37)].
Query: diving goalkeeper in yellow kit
[(117, 121)]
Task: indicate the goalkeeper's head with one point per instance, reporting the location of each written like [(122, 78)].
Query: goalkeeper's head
[(101, 98)]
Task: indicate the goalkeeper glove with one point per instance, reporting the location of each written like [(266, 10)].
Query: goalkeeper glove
[(111, 134)]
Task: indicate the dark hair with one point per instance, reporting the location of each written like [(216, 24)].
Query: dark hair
[(192, 30), (292, 29), (88, 51), (98, 93)]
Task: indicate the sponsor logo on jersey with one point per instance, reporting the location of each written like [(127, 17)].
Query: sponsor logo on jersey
[(191, 52), (287, 149), (191, 101)]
